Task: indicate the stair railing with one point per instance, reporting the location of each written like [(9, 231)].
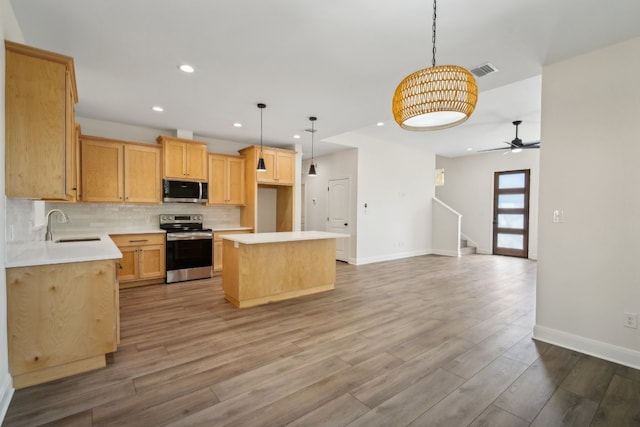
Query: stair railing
[(446, 226)]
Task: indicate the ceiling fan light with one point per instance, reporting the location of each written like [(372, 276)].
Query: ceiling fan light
[(434, 98), (516, 150)]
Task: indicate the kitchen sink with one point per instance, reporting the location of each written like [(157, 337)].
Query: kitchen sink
[(78, 239)]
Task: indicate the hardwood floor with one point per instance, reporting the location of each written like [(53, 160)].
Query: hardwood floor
[(424, 341)]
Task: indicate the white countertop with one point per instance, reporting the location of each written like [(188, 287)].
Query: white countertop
[(288, 236), (25, 254), (220, 229)]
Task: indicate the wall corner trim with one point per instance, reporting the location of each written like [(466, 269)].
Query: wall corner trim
[(6, 393)]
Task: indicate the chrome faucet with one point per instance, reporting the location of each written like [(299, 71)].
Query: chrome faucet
[(65, 219)]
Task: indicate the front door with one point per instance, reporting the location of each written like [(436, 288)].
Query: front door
[(511, 213), (338, 219)]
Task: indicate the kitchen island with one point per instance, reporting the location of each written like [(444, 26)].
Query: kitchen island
[(62, 307), (266, 267)]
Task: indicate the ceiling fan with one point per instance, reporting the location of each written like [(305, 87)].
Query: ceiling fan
[(516, 145)]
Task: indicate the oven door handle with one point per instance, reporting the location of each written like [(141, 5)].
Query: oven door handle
[(173, 237)]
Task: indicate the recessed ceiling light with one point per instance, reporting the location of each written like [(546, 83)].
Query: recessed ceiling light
[(157, 108), (237, 125), (469, 149), (296, 136), (380, 124), (187, 68)]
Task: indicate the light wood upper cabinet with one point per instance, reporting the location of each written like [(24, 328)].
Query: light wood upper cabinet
[(102, 175), (183, 159), (142, 179), (40, 95), (226, 180), (119, 171), (280, 166)]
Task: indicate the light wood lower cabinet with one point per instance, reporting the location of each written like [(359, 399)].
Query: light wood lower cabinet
[(217, 247), (62, 319), (143, 259)]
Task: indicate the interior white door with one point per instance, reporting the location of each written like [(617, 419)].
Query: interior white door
[(338, 218)]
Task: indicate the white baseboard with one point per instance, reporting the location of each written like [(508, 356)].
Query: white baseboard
[(445, 252), (6, 393), (391, 257), (599, 349)]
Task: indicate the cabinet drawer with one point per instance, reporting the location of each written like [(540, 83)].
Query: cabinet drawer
[(138, 239)]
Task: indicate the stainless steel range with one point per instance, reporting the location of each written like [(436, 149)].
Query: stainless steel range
[(189, 247)]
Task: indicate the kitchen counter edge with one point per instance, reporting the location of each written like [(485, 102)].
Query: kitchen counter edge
[(285, 236), (28, 254)]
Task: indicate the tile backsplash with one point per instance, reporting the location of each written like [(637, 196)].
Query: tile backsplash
[(22, 215)]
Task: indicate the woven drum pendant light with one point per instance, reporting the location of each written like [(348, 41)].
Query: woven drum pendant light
[(437, 97), (312, 168), (261, 166)]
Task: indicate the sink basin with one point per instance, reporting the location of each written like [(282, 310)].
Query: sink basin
[(78, 239)]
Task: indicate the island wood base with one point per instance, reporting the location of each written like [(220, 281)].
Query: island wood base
[(255, 274)]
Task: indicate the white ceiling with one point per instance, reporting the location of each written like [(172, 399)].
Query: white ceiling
[(339, 60)]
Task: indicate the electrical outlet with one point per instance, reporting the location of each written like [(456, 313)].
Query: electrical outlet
[(630, 320)]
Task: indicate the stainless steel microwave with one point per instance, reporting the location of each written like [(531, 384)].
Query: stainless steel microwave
[(184, 191)]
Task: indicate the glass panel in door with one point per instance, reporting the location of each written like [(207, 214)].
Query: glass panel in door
[(511, 213)]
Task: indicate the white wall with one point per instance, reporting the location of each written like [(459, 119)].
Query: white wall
[(10, 30), (445, 229), (468, 188), (588, 269), (342, 164), (396, 182)]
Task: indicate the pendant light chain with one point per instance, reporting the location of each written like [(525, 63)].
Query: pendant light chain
[(261, 108), (433, 36), (312, 166), (261, 165), (436, 97)]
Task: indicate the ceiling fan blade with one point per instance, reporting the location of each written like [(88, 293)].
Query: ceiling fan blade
[(531, 145), (494, 149)]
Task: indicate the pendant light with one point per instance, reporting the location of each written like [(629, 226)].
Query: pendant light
[(261, 166), (312, 168), (437, 97)]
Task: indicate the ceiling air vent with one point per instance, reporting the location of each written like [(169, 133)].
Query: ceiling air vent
[(483, 70)]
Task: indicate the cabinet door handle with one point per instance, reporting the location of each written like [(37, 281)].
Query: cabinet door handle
[(120, 266), (138, 241)]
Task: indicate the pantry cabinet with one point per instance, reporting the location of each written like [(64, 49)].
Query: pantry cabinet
[(279, 176), (226, 180), (120, 171), (62, 319), (41, 149), (183, 159), (143, 258)]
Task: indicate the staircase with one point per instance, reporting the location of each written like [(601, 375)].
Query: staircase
[(465, 248)]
